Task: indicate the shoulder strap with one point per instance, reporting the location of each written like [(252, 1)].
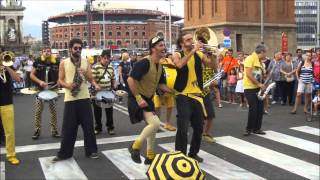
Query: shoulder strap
[(105, 70)]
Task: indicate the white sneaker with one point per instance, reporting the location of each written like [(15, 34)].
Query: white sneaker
[(220, 106), (274, 102), (315, 113)]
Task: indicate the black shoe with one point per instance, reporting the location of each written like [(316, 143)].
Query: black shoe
[(196, 157), (259, 132), (247, 133), (55, 134), (148, 161), (135, 154), (57, 158), (36, 134), (93, 156)]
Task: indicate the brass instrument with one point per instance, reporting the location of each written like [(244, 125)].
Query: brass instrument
[(216, 77), (208, 38), (7, 58), (262, 94)]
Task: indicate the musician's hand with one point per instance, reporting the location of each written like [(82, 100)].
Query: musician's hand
[(82, 71), (262, 87), (197, 46), (142, 103), (97, 87), (2, 68), (43, 84), (70, 86)]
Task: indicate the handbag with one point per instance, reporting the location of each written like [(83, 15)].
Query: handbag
[(290, 78)]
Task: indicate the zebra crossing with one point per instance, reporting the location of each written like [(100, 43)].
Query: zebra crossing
[(214, 166)]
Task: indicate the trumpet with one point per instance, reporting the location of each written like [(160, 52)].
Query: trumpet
[(7, 58)]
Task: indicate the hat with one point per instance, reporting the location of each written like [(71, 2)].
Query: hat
[(153, 41), (106, 52)]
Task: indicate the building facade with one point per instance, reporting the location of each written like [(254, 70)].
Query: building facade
[(240, 21), (120, 28), (307, 14)]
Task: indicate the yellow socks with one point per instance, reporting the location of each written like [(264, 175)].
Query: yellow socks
[(136, 145), (150, 154)]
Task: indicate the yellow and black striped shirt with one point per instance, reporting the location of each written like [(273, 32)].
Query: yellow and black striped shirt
[(105, 82)]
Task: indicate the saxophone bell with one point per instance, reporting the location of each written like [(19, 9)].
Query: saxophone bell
[(263, 93)]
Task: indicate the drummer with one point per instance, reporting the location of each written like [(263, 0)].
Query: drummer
[(42, 81), (167, 100), (103, 74)]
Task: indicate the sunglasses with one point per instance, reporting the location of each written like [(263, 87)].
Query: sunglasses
[(77, 48)]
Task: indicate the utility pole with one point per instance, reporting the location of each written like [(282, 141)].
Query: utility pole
[(170, 34)]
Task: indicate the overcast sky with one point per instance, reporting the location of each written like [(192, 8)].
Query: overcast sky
[(39, 10)]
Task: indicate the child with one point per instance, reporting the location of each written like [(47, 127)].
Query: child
[(239, 87), (316, 103), (232, 82)]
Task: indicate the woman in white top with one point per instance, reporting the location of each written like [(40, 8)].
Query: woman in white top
[(28, 68)]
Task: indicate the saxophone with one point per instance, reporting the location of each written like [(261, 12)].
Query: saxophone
[(216, 77), (262, 94), (77, 79)]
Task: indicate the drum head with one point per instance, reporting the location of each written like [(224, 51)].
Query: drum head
[(105, 95), (47, 95), (28, 91), (121, 93)]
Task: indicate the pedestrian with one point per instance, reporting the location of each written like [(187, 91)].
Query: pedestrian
[(189, 86), (274, 71), (304, 75), (124, 70), (288, 70), (28, 68), (7, 74), (44, 74), (103, 74), (228, 63), (145, 77), (73, 74), (232, 83), (252, 84), (239, 86)]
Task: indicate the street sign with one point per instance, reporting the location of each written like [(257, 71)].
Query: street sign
[(227, 42)]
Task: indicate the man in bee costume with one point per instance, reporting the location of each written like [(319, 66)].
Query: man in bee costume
[(46, 62), (146, 76)]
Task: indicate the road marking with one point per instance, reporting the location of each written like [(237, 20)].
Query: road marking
[(122, 159), (292, 141), (2, 170), (274, 158), (66, 169), (124, 110), (308, 130), (218, 167), (51, 146)]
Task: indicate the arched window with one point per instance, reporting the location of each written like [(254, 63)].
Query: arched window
[(110, 42), (65, 45), (136, 43), (118, 33), (119, 43), (60, 47), (85, 43), (85, 34), (127, 34), (135, 33)]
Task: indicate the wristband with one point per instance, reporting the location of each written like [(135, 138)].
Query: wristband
[(138, 98)]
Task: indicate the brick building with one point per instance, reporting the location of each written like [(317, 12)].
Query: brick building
[(241, 18), (126, 28)]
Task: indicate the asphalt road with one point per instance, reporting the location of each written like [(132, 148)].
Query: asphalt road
[(284, 153)]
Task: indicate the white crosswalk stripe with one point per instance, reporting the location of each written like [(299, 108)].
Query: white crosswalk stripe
[(61, 170), (2, 170), (213, 165), (122, 159), (274, 158), (218, 167), (308, 130), (292, 141)]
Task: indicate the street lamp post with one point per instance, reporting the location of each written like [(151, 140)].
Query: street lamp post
[(69, 16), (262, 23), (103, 5), (170, 34)]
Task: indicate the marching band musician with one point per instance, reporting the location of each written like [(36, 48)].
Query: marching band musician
[(143, 81), (167, 99), (7, 74), (252, 84), (41, 78), (103, 74), (189, 86), (73, 72)]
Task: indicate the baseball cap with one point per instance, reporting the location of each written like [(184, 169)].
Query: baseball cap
[(155, 40)]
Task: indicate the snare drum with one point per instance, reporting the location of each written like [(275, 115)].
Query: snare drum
[(47, 95), (105, 99)]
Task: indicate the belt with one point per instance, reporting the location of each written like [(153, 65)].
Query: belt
[(198, 97)]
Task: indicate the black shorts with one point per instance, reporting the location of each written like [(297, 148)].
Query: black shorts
[(207, 100), (135, 112)]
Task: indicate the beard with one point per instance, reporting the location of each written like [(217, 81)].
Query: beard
[(76, 54)]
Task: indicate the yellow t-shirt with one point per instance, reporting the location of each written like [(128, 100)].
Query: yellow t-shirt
[(192, 83), (253, 62)]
